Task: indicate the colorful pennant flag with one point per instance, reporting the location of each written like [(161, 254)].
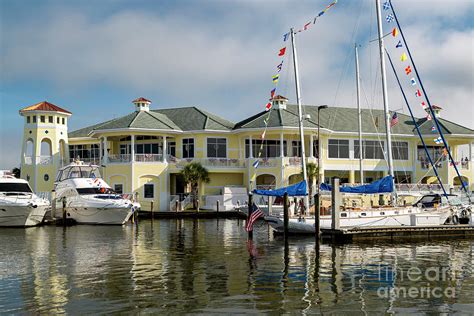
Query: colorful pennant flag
[(433, 129), (408, 70), (428, 117), (438, 140), (306, 26), (399, 44), (418, 93), (394, 32), (413, 81), (386, 5), (403, 57), (275, 78), (282, 51), (394, 120), (268, 106), (423, 105), (255, 164), (279, 66), (262, 137), (272, 93), (285, 36), (389, 18)]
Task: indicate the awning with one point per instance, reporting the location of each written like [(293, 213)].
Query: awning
[(384, 185)]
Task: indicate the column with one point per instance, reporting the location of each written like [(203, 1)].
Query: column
[(311, 152), (106, 154), (282, 148), (164, 149), (351, 176), (250, 147), (100, 150), (132, 148)]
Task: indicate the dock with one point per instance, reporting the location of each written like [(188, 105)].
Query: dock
[(193, 214), (398, 233)]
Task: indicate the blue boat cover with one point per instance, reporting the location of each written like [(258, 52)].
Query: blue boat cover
[(298, 189), (383, 185)]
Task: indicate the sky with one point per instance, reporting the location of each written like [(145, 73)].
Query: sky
[(93, 57)]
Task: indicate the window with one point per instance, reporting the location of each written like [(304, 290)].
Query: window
[(188, 148), (57, 120), (34, 118), (171, 149), (28, 119), (216, 148), (148, 149), (436, 153), (296, 148), (63, 120), (14, 187), (372, 149), (270, 148), (118, 188), (400, 150), (43, 118), (149, 191), (338, 148), (84, 151), (50, 119)]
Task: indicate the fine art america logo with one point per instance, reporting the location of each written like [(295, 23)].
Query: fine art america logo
[(415, 282)]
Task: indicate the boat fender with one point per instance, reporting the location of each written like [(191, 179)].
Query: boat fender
[(464, 214), (455, 219)]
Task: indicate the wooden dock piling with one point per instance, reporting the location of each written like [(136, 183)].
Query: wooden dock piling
[(286, 219), (249, 213), (336, 203)]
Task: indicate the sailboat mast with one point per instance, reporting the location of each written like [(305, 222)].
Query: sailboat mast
[(359, 114), (384, 90), (300, 114)]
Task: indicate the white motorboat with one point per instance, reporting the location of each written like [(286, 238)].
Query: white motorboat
[(19, 206), (88, 199)]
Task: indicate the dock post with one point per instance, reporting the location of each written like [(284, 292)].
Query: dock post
[(152, 209), (249, 213), (217, 206), (177, 205), (64, 210), (53, 204), (317, 212), (336, 203), (285, 215)]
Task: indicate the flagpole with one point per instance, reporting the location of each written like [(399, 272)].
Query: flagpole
[(300, 115), (385, 95), (359, 112)]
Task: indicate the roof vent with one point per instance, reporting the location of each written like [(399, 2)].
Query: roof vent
[(279, 102), (142, 104)]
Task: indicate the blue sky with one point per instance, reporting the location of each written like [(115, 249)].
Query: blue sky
[(93, 57)]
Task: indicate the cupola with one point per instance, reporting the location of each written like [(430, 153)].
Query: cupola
[(436, 110), (279, 102), (142, 104)]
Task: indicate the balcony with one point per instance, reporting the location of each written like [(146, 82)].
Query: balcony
[(148, 158), (45, 160), (122, 158), (28, 160), (425, 165), (208, 162)]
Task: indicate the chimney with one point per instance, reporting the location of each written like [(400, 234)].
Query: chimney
[(142, 104)]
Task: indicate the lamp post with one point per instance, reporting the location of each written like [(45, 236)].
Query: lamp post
[(317, 225)]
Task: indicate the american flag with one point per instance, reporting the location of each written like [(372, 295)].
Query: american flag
[(394, 120), (256, 213)]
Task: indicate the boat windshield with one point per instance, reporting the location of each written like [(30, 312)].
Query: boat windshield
[(85, 191), (12, 187), (78, 172), (429, 200), (454, 200)]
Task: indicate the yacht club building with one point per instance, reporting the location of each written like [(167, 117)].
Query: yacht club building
[(143, 152)]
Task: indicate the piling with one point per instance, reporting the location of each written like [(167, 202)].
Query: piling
[(64, 210), (176, 205), (217, 206), (317, 215), (336, 203), (151, 208), (285, 215), (249, 213), (53, 204)]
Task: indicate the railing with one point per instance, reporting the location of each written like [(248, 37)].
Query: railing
[(264, 162), (419, 188), (28, 160), (265, 187), (209, 162), (148, 157), (426, 164), (119, 158), (87, 161)]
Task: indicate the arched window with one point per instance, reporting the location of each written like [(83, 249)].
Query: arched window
[(46, 151), (29, 150)]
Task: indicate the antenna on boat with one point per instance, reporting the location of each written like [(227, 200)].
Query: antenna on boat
[(300, 116), (385, 96), (359, 114)]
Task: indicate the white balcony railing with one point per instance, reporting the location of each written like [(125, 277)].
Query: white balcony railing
[(45, 160), (208, 162), (148, 157), (87, 161), (28, 160), (118, 158)]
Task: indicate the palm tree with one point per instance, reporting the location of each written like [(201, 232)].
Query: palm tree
[(194, 173), (312, 171)]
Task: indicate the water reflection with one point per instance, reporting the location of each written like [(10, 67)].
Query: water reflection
[(209, 266)]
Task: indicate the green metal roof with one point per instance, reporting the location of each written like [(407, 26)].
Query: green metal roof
[(342, 119), (194, 119)]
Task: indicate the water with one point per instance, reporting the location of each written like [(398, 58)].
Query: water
[(206, 266)]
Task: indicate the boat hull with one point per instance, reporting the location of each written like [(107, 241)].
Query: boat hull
[(22, 215), (99, 216)]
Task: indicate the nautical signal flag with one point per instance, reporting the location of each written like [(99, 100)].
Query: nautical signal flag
[(408, 70), (306, 26), (394, 120), (389, 18), (279, 66), (403, 57), (433, 129), (254, 215), (438, 140), (285, 36), (418, 93), (262, 137), (255, 164), (399, 44), (272, 93), (394, 32), (275, 78), (413, 81), (423, 105), (428, 117), (386, 5), (282, 51), (268, 106)]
